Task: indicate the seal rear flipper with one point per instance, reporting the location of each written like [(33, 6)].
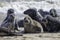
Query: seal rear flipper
[(9, 33)]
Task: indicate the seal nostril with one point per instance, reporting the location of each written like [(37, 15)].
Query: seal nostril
[(26, 21)]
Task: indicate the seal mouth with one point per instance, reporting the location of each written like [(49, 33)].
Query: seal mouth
[(26, 22)]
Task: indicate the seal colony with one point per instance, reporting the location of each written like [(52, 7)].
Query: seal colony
[(32, 23)]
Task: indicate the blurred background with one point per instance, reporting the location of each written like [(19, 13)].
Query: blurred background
[(21, 5)]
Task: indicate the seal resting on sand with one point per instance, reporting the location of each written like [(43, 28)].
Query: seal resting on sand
[(32, 26)]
